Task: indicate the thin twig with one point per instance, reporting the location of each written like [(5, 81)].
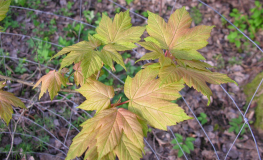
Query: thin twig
[(13, 135)]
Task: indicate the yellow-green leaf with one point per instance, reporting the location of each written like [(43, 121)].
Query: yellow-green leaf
[(109, 50), (176, 36), (157, 53), (188, 54), (98, 95), (7, 100), (4, 5), (51, 82), (90, 65), (78, 52), (194, 64), (194, 78), (151, 100), (119, 31), (80, 48), (127, 150)]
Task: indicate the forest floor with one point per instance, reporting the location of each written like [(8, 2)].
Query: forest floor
[(21, 51)]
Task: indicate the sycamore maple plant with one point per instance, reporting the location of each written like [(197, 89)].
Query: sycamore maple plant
[(116, 131)]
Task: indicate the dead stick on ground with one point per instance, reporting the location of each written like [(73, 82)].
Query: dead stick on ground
[(31, 84)]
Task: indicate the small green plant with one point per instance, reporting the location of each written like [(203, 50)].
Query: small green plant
[(236, 125), (43, 50), (235, 60), (187, 144), (129, 1), (202, 118), (89, 15), (252, 23), (20, 67), (196, 15), (66, 11)]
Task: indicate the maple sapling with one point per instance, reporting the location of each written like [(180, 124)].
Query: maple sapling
[(116, 131)]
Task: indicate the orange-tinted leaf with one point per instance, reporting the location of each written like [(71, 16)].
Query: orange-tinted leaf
[(103, 133), (151, 100), (176, 36), (78, 76), (7, 100), (51, 82), (97, 95)]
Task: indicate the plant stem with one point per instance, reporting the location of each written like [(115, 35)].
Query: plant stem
[(165, 54), (120, 103)]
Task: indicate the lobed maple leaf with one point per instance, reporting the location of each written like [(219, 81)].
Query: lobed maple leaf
[(117, 35), (176, 36), (119, 32), (193, 78), (97, 95), (151, 100), (111, 132), (181, 59), (85, 53), (7, 100), (51, 82)]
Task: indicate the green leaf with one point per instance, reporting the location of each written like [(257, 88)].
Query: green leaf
[(203, 115), (186, 149), (200, 118), (190, 139), (237, 129), (233, 124), (179, 137), (231, 129), (190, 145), (180, 153), (238, 43), (203, 121), (176, 147), (173, 141)]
